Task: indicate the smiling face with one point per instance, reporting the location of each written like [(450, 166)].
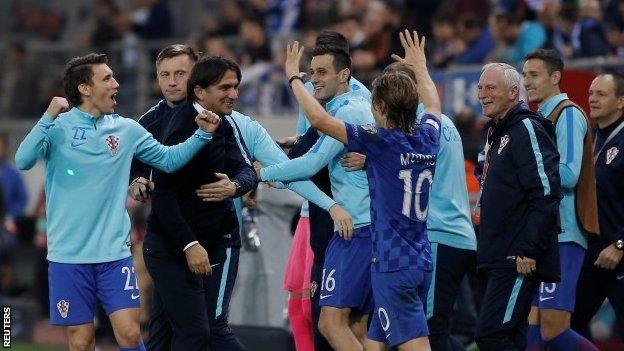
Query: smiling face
[(326, 81), (495, 96), (221, 96), (99, 95), (173, 73), (540, 84)]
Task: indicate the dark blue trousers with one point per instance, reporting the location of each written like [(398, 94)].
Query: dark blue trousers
[(190, 312)]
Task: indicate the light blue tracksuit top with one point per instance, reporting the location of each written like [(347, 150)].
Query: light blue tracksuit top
[(449, 220), (87, 165), (349, 189), (571, 129)]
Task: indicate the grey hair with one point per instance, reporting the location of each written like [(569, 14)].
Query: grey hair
[(511, 76)]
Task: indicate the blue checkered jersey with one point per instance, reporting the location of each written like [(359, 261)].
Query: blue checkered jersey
[(400, 169)]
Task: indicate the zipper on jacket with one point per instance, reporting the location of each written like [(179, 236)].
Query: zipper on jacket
[(94, 125)]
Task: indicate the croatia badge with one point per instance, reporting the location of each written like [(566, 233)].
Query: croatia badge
[(63, 308), (611, 153), (113, 144), (503, 143)]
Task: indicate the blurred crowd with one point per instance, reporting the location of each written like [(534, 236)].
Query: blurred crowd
[(459, 32)]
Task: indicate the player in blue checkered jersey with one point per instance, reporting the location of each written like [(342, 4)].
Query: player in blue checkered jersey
[(401, 164)]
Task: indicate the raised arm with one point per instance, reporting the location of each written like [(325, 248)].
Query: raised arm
[(37, 142), (171, 158), (416, 60), (318, 117)]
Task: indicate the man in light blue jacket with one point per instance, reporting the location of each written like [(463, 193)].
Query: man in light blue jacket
[(87, 153)]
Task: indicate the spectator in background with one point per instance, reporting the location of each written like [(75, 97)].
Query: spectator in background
[(379, 27), (152, 19), (228, 20), (516, 38), (562, 32), (319, 14), (477, 39), (105, 31), (20, 76), (282, 16), (256, 46), (445, 40), (15, 196), (215, 46), (588, 36)]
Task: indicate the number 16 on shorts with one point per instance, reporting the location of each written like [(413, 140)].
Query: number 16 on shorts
[(328, 284)]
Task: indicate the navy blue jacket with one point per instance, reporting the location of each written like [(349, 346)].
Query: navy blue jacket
[(521, 194), (178, 216), (610, 191), (321, 223)]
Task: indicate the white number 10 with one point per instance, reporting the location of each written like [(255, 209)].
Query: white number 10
[(406, 176)]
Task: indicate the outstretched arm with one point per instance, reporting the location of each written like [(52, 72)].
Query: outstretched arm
[(317, 115), (416, 60)]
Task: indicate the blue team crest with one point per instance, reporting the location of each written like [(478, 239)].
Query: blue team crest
[(503, 142), (63, 308)]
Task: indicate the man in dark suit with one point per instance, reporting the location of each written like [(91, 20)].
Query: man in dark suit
[(185, 233)]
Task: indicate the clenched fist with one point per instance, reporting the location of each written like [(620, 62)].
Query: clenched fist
[(57, 105)]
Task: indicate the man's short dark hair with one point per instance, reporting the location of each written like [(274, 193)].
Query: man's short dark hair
[(618, 82), (210, 70), (175, 50), (551, 59), (332, 38), (341, 58), (79, 71)]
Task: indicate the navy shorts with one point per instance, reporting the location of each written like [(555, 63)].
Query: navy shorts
[(562, 296), (346, 279), (399, 314), (75, 289)]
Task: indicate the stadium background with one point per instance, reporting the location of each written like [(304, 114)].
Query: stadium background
[(37, 37)]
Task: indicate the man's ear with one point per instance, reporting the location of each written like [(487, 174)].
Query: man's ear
[(199, 92), (84, 89), (555, 77), (620, 103), (344, 75)]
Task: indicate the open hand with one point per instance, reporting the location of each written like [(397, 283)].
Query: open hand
[(293, 57), (414, 50), (343, 221), (220, 190)]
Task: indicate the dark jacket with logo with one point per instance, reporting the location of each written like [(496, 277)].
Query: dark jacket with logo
[(178, 215), (521, 194), (610, 192)]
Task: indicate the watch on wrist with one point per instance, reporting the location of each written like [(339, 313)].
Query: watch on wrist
[(619, 244), (237, 188)]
